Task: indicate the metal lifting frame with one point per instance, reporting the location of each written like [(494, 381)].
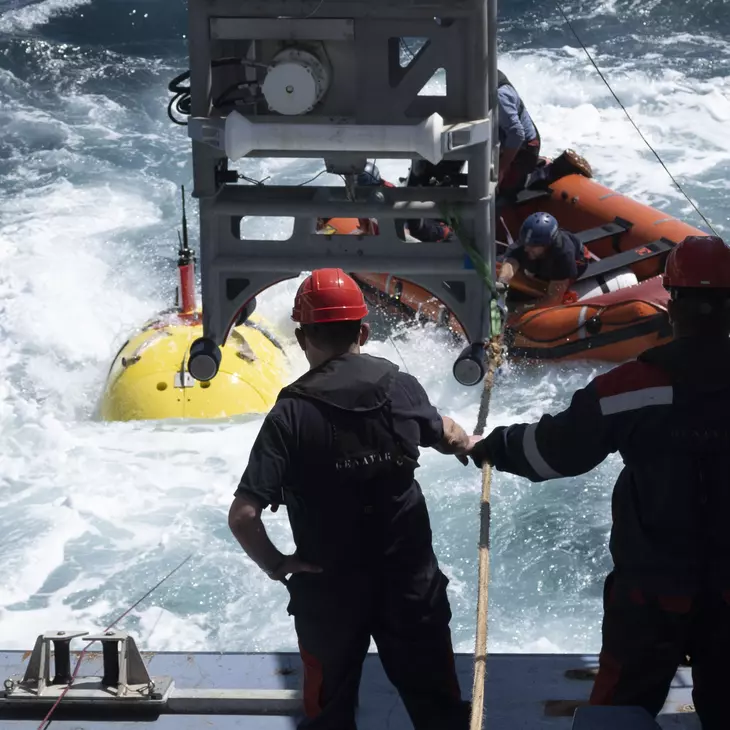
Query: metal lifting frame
[(361, 43)]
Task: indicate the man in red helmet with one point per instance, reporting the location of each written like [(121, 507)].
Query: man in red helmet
[(339, 449), (666, 413)]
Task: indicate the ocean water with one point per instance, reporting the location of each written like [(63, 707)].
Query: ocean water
[(92, 513)]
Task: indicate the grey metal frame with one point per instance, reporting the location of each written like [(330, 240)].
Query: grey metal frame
[(362, 42)]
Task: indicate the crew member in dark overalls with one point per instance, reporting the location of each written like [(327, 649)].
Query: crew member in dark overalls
[(339, 449), (666, 413)]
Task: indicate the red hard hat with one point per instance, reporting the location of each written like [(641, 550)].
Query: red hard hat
[(698, 262), (328, 295)]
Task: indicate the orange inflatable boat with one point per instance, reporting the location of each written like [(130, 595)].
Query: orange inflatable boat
[(613, 312)]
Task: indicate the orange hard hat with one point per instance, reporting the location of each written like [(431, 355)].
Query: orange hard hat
[(328, 295), (699, 262)]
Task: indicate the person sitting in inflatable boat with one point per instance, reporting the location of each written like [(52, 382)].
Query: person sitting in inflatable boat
[(422, 174), (369, 177), (424, 230), (547, 252)]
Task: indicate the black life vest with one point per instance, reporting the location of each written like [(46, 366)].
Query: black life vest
[(348, 492)]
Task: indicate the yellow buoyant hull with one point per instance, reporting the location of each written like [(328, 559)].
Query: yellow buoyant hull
[(149, 378)]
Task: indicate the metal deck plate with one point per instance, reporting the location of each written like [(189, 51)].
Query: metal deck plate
[(524, 691)]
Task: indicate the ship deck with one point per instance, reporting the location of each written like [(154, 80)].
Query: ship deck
[(524, 692)]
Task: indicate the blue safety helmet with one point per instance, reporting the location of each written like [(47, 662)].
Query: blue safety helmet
[(539, 229), (369, 176)]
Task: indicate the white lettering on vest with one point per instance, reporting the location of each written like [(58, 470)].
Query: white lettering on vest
[(359, 462)]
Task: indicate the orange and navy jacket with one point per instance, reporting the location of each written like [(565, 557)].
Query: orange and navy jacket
[(668, 416)]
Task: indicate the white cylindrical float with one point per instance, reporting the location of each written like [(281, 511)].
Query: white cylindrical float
[(604, 283)]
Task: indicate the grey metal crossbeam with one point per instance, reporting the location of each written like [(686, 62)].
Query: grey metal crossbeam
[(339, 81)]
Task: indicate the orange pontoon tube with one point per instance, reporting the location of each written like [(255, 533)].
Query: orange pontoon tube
[(616, 309)]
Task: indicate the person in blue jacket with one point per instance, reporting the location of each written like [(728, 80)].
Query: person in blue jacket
[(518, 138), (666, 413)]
